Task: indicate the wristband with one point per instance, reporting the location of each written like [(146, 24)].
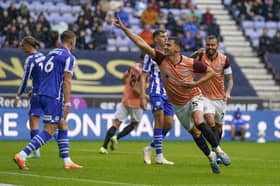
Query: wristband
[(67, 104)]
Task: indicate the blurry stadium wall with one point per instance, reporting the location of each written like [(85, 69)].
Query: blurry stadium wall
[(92, 124)]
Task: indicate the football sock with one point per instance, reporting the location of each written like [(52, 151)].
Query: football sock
[(220, 133), (201, 143), (111, 132), (34, 133), (38, 141), (63, 143), (164, 132), (125, 131), (158, 140), (208, 134), (215, 131)]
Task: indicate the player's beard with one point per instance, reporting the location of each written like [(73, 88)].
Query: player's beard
[(210, 52)]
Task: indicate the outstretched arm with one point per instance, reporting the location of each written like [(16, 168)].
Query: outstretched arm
[(136, 39)]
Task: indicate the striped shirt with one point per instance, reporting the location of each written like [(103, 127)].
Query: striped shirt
[(32, 70), (155, 82)]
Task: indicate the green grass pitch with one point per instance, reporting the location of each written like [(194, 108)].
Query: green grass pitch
[(252, 164)]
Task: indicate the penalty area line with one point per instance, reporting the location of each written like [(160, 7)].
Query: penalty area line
[(70, 179)]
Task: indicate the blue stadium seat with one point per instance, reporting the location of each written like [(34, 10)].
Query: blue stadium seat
[(76, 9), (259, 24), (247, 24), (53, 9), (271, 25)]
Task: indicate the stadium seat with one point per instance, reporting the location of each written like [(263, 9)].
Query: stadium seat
[(134, 49), (253, 34), (4, 4), (255, 43), (53, 9), (65, 9), (123, 48), (134, 21), (111, 42), (259, 24), (136, 29), (271, 25), (128, 10), (111, 48), (69, 17), (247, 24), (76, 9), (40, 8)]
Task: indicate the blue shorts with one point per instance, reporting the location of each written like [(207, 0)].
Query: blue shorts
[(35, 107), (52, 108), (159, 102)]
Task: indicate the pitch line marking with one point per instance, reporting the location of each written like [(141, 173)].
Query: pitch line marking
[(125, 184), (71, 179)]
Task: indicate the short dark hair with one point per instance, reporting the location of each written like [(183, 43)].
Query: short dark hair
[(210, 37), (67, 35), (176, 40), (157, 32), (30, 41)]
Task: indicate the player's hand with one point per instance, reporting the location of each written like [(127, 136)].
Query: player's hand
[(66, 110), (198, 53), (118, 23), (143, 103), (227, 98), (28, 95), (17, 98)]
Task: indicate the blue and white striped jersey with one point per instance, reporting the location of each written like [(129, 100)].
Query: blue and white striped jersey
[(32, 69), (58, 61), (155, 83)]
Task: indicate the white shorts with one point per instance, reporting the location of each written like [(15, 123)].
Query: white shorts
[(216, 107), (123, 112), (184, 112)]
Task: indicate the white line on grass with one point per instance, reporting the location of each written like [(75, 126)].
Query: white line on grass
[(125, 184), (71, 179)]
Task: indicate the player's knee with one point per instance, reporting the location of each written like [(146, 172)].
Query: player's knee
[(195, 132), (117, 123)]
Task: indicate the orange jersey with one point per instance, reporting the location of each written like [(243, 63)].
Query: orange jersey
[(174, 76), (214, 88), (130, 98)]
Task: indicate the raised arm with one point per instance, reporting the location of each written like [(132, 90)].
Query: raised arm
[(136, 39)]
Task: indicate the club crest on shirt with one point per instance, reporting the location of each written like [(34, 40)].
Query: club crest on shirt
[(219, 67), (186, 72)]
